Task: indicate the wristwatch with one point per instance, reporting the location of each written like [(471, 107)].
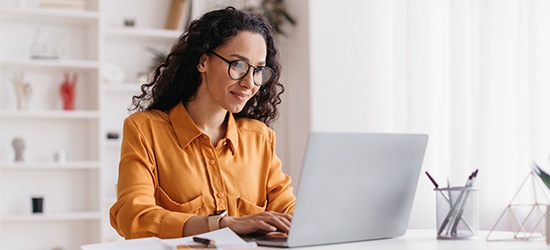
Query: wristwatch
[(214, 219)]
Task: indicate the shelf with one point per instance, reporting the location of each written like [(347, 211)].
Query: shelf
[(113, 143), (53, 63), (142, 33), (76, 165), (94, 215), (73, 114), (29, 14)]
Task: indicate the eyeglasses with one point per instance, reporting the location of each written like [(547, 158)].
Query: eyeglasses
[(238, 69)]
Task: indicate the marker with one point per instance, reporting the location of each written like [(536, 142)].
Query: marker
[(471, 179), (437, 186), (453, 207), (462, 199), (432, 180), (205, 241)]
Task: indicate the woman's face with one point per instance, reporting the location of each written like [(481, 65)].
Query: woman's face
[(217, 85)]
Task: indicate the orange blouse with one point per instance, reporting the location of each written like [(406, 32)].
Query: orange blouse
[(169, 171)]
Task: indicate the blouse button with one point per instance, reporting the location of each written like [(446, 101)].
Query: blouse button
[(212, 162), (220, 195)]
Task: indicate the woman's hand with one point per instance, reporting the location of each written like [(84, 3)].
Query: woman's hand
[(264, 222)]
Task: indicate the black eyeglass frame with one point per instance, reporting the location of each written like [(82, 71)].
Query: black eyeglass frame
[(254, 72)]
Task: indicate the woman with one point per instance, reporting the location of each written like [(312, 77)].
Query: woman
[(201, 143)]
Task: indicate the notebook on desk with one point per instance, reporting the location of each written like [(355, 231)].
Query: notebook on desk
[(353, 187)]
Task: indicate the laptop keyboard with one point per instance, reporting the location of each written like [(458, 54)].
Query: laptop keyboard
[(275, 237)]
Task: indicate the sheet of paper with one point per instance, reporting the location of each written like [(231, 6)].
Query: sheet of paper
[(135, 244), (225, 238)]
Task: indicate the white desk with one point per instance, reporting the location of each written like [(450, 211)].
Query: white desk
[(413, 240), (426, 240)]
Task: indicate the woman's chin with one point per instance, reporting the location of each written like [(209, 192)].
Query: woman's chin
[(235, 109)]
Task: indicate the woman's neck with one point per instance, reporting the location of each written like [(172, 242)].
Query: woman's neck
[(210, 121)]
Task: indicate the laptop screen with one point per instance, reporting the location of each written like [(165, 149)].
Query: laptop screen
[(356, 186)]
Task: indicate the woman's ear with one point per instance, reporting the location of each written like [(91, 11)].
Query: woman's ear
[(202, 63)]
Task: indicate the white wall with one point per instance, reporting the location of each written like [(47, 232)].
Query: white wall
[(353, 64), (469, 73), (293, 125), (344, 71), (337, 75), (359, 73)]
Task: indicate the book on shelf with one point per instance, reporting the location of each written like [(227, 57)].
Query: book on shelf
[(178, 14), (63, 4)]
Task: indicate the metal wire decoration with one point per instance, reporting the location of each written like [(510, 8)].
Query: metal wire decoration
[(531, 225)]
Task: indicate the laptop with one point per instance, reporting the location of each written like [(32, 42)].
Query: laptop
[(353, 187)]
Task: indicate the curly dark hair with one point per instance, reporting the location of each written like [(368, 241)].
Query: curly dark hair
[(177, 78)]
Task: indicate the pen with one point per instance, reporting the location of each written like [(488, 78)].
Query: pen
[(205, 241), (437, 186), (458, 207), (432, 180), (449, 191), (472, 179), (469, 183), (456, 210), (448, 198), (455, 213)]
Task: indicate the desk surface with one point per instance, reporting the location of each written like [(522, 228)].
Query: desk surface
[(426, 240)]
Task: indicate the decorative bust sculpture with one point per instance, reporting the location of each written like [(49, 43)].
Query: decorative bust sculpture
[(19, 147)]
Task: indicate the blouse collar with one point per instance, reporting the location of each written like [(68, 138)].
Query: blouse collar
[(187, 131)]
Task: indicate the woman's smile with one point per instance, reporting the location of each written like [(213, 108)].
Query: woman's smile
[(241, 96)]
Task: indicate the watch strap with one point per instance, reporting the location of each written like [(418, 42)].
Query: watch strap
[(214, 221)]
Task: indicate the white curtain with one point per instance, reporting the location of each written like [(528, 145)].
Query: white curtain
[(473, 74), (478, 81)]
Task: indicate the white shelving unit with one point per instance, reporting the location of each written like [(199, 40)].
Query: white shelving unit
[(72, 190), (118, 42), (79, 192), (154, 34)]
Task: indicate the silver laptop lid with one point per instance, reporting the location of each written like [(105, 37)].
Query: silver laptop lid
[(355, 187)]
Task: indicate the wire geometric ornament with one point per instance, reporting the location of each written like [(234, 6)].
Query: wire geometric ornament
[(536, 215)]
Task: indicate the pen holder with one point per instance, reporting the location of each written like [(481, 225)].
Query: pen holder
[(457, 212)]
